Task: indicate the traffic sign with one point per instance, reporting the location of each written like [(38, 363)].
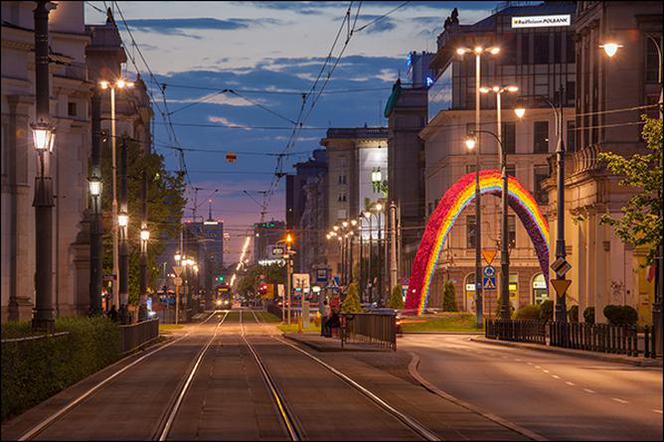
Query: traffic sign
[(489, 255), (177, 270), (489, 283), (561, 266), (301, 280), (177, 280), (489, 271), (561, 286)]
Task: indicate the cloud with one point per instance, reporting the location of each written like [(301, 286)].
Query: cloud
[(224, 99), (226, 122), (177, 26)]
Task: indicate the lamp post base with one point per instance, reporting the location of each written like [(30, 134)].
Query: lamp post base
[(46, 325)]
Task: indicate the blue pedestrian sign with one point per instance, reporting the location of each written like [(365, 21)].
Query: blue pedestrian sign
[(489, 278)]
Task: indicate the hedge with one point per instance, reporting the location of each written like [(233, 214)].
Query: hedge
[(34, 370)]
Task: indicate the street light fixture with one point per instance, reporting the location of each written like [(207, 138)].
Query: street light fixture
[(119, 83), (145, 235), (611, 48), (95, 186), (123, 219)]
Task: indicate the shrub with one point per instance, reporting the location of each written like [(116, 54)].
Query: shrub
[(449, 297), (528, 312), (499, 305), (573, 313), (546, 310), (34, 370), (589, 315), (396, 298), (351, 303), (620, 315)]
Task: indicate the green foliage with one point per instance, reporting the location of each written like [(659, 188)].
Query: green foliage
[(573, 313), (449, 297), (248, 283), (589, 315), (34, 370), (620, 314), (528, 312), (641, 225), (396, 298), (499, 305), (448, 321), (352, 302), (166, 203), (546, 310)]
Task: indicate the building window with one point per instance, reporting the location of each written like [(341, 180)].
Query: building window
[(342, 198), (430, 208), (570, 92), (509, 137), (470, 127), (511, 231), (525, 49), (571, 136), (557, 48), (508, 51), (541, 173), (71, 109), (652, 63), (470, 231), (570, 48), (470, 168), (541, 130), (342, 179), (511, 170), (541, 51)]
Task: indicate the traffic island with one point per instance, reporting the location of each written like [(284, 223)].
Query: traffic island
[(606, 357), (321, 344)]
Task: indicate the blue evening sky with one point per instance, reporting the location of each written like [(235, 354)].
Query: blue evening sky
[(275, 47)]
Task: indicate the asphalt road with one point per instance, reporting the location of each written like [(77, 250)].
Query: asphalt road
[(559, 397)]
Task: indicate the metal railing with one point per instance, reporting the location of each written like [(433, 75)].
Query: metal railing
[(371, 328), (520, 331), (602, 338), (135, 335)]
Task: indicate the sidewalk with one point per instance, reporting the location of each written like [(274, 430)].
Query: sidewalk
[(607, 357), (322, 344)]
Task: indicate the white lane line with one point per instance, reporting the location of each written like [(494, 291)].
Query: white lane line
[(517, 359), (622, 401), (588, 390), (658, 411), (546, 371), (530, 363), (537, 366), (571, 384), (555, 376)]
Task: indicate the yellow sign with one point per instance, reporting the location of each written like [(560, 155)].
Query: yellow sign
[(489, 255)]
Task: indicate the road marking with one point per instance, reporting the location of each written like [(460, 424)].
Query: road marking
[(530, 363), (622, 401), (588, 390), (537, 366), (545, 371), (555, 376), (658, 411), (571, 384), (517, 359)]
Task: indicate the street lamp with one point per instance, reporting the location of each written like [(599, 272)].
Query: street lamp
[(478, 51), (145, 235), (95, 185), (120, 84), (123, 219), (368, 216), (378, 208), (611, 48), (560, 266)]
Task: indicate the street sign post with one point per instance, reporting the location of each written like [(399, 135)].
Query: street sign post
[(489, 278)]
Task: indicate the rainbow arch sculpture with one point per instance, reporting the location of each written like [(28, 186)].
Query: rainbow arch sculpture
[(443, 218)]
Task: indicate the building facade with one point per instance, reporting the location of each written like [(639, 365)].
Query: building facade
[(353, 154), (611, 96), (540, 62)]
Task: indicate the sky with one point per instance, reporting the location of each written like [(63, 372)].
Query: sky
[(245, 65)]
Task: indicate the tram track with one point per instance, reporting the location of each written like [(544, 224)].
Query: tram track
[(62, 413), (412, 424)]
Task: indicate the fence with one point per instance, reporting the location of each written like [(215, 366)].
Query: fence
[(520, 331), (580, 336), (135, 335), (372, 328), (274, 309)]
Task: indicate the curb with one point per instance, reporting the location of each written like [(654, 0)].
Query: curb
[(638, 362), (412, 370), (325, 349), (478, 333)]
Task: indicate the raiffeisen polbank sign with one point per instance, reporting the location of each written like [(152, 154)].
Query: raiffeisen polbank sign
[(541, 21)]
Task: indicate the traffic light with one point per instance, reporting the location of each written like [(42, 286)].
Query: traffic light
[(262, 288), (221, 278)]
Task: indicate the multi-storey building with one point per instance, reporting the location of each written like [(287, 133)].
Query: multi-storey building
[(540, 61), (611, 95), (266, 236), (306, 211), (80, 55), (353, 154), (406, 113)]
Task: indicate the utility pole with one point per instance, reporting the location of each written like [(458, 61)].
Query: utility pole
[(96, 249), (43, 315), (289, 272), (393, 246), (123, 221), (145, 236)]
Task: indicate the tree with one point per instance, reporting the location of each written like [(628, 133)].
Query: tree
[(396, 297), (165, 200), (449, 297), (248, 283), (641, 225), (352, 302)]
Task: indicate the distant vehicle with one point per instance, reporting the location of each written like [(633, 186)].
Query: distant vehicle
[(224, 299)]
